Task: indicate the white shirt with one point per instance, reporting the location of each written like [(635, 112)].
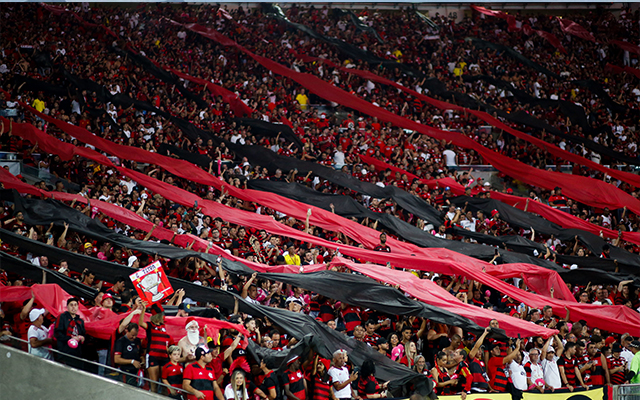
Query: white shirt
[(229, 395), (551, 372), (39, 334), (338, 159), (536, 372), (627, 355), (340, 375), (518, 376), (450, 157)]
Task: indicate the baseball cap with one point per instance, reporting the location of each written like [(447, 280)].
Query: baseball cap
[(487, 184), (493, 346), (36, 313), (185, 307), (106, 296), (87, 245), (237, 353), (617, 348), (131, 260), (200, 351), (551, 349), (292, 360), (635, 344)]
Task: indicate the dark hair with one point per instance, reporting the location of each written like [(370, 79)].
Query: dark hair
[(125, 296), (119, 278), (440, 355), (370, 322), (131, 326), (367, 369), (596, 339), (77, 300), (569, 345)]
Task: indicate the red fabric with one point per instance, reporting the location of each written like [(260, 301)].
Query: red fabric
[(631, 48), (538, 279), (619, 70), (562, 218), (238, 107), (491, 13), (57, 10), (429, 292), (628, 177), (515, 26), (618, 319), (575, 29), (593, 192), (99, 322), (437, 260), (432, 184)]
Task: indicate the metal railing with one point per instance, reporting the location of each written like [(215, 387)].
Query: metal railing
[(109, 372), (49, 178), (626, 392)]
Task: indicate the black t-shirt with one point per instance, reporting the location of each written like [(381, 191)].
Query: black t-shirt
[(129, 350)]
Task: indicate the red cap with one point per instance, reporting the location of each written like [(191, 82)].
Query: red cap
[(326, 363), (494, 212), (610, 340), (106, 296)]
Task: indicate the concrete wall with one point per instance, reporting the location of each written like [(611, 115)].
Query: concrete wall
[(27, 377)]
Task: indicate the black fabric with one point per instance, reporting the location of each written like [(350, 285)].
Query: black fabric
[(268, 129), (161, 74), (297, 325), (575, 113), (345, 48), (358, 290), (347, 207), (360, 26), (272, 161), (508, 51), (44, 212), (34, 272), (439, 89), (628, 262)]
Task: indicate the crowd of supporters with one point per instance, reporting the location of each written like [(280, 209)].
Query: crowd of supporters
[(456, 361)]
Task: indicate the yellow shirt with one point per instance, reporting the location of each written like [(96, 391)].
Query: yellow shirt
[(303, 100), (292, 260), (38, 105)]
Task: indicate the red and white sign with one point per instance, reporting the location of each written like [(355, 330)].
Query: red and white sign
[(151, 283)]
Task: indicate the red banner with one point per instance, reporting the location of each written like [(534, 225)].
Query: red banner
[(631, 48), (619, 70), (575, 29), (99, 322), (583, 189), (238, 107)]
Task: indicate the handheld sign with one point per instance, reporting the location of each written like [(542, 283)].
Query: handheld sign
[(151, 283)]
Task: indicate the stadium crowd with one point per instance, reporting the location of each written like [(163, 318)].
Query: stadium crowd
[(580, 355)]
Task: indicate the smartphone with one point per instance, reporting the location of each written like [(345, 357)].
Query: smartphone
[(519, 336), (196, 204)]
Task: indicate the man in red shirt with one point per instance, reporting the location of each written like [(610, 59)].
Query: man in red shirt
[(495, 368), (558, 200), (199, 379)]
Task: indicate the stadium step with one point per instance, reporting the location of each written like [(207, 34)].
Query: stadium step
[(25, 376)]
